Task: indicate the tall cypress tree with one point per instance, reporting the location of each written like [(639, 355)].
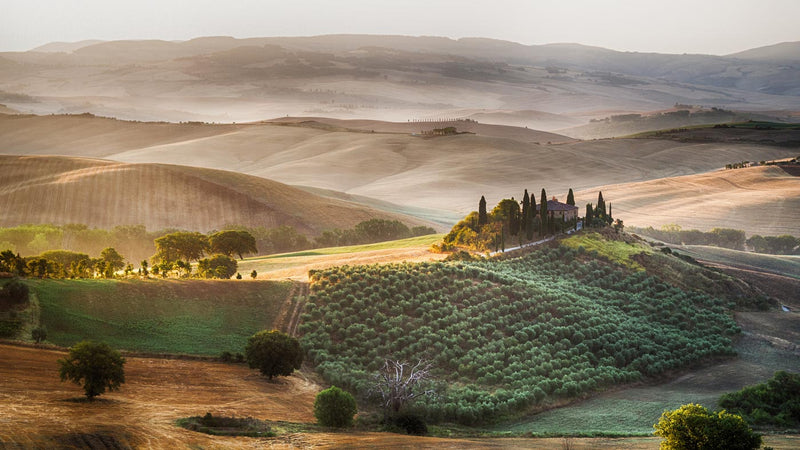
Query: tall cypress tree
[(570, 197), (589, 216), (543, 214), (600, 209), (513, 217), (526, 211), (482, 219)]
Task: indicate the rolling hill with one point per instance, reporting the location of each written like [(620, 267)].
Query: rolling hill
[(445, 174), (98, 193), (759, 200), (222, 79)]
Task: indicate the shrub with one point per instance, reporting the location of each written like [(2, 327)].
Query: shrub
[(39, 334), (693, 426), (412, 424), (334, 407), (14, 293)]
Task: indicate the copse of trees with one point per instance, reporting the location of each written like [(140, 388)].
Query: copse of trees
[(776, 245), (773, 403), (509, 223), (218, 266), (370, 231), (674, 234), (181, 246)]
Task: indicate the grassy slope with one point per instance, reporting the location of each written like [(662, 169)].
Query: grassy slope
[(194, 317), (105, 194), (778, 264)]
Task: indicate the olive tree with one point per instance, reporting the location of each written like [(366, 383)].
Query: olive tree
[(96, 365)]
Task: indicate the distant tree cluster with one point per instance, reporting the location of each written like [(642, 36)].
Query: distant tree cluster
[(509, 223), (775, 245), (773, 403), (63, 264), (370, 231), (674, 234)]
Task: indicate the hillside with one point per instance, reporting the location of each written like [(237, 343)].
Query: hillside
[(396, 78), (103, 194), (446, 173), (759, 200)]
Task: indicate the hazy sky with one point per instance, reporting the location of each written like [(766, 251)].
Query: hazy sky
[(667, 26)]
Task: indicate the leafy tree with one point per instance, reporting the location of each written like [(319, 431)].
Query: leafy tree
[(273, 353), (693, 426), (15, 292), (482, 217), (422, 230), (334, 407), (96, 365), (112, 258), (144, 267), (570, 197), (39, 334), (181, 245), (218, 266), (230, 242), (9, 262)]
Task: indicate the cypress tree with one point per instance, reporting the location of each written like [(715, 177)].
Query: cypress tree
[(600, 210), (543, 214), (610, 218), (570, 197), (589, 216), (513, 218), (482, 219), (526, 211)]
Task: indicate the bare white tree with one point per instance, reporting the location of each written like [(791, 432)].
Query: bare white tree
[(398, 383)]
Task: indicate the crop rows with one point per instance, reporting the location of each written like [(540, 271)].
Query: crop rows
[(505, 336)]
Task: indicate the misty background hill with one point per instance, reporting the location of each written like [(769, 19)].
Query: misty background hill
[(399, 78)]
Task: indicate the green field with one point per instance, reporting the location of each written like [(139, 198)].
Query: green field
[(193, 317)]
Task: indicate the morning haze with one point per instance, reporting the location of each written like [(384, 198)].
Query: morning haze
[(425, 223)]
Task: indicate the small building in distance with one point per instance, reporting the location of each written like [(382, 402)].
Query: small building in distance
[(557, 209)]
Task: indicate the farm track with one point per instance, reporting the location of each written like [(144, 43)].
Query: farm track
[(299, 304)]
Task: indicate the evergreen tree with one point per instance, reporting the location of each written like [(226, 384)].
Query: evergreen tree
[(543, 214), (610, 217), (600, 210), (513, 217), (526, 211), (532, 213), (482, 219), (570, 197), (587, 221)]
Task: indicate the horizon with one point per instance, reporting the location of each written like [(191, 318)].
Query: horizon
[(714, 27)]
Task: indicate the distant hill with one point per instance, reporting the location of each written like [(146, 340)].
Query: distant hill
[(395, 78), (65, 47), (98, 193), (785, 51), (759, 200)]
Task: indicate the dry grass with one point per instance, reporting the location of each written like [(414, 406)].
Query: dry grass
[(759, 200), (104, 194)]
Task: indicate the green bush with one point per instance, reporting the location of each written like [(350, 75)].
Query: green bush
[(334, 407), (695, 427), (273, 353)]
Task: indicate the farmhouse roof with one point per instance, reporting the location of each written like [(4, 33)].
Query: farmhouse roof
[(555, 205)]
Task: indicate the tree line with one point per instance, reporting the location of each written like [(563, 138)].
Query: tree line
[(724, 237)]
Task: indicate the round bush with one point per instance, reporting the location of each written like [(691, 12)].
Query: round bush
[(334, 407)]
